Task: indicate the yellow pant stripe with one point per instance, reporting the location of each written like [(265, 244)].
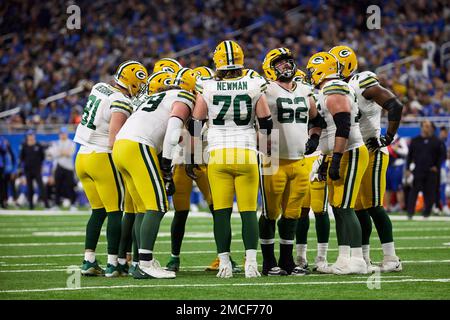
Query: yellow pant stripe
[(350, 179), (119, 182), (153, 172), (376, 181)]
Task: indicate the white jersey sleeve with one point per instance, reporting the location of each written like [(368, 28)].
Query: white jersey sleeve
[(149, 123), (328, 134), (370, 111), (93, 131)]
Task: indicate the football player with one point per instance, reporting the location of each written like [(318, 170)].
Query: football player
[(155, 126), (231, 101), (107, 109), (183, 178), (132, 217), (372, 98), (316, 199), (341, 140), (292, 106)]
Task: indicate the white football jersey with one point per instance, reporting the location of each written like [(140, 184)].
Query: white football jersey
[(290, 115), (370, 111), (93, 131), (231, 110), (327, 136), (148, 123)]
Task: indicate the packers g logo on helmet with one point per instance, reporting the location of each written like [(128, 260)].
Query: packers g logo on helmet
[(228, 55), (299, 75), (167, 64), (204, 72), (185, 78), (348, 63), (158, 80), (132, 76), (272, 58), (321, 66)]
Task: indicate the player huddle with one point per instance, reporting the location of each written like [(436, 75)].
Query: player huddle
[(301, 140)]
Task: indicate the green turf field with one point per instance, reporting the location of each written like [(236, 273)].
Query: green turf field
[(36, 250)]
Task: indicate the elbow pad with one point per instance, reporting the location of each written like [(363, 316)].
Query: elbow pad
[(195, 127), (266, 124), (394, 108), (342, 121), (317, 122)]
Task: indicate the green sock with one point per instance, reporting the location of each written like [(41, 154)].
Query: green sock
[(222, 229), (366, 225), (342, 236), (126, 234), (135, 245), (382, 223), (137, 228), (287, 230), (322, 227), (352, 227), (177, 230), (267, 242), (94, 227), (149, 229), (113, 230), (302, 229), (249, 229)]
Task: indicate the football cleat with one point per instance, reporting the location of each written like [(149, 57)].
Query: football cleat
[(299, 271), (132, 268), (357, 265), (251, 270), (112, 271), (274, 271), (173, 264), (225, 270), (154, 270), (302, 263), (391, 264), (124, 269), (321, 265), (91, 269), (139, 274), (341, 266), (236, 268), (214, 266)]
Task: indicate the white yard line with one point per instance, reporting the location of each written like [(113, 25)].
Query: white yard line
[(221, 284), (49, 244)]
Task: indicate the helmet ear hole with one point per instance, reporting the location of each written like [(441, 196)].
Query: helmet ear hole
[(349, 66)]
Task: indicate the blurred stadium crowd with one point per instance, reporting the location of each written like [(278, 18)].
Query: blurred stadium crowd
[(40, 57)]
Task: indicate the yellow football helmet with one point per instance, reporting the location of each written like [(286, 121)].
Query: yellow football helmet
[(167, 64), (203, 72), (228, 56), (252, 73), (274, 56), (132, 76), (185, 78), (348, 63), (321, 66), (158, 80)]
